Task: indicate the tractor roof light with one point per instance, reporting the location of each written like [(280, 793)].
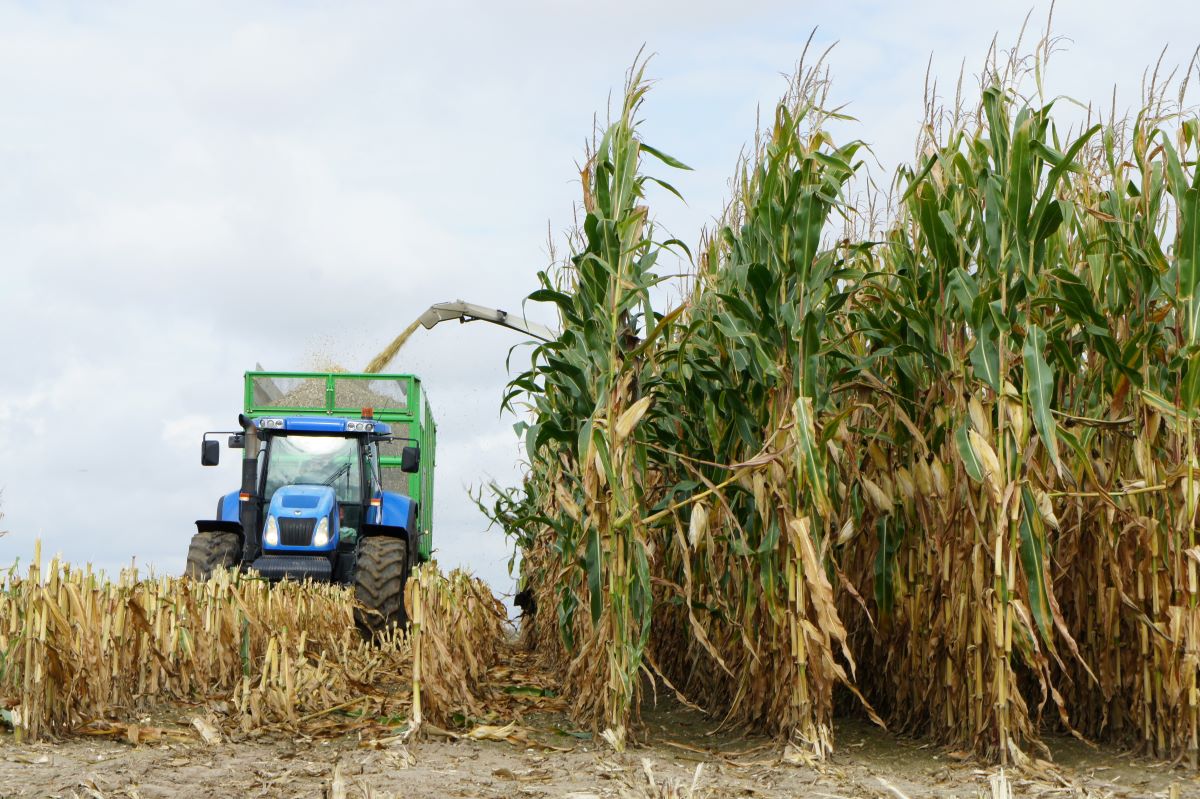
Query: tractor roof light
[(270, 424), (353, 426)]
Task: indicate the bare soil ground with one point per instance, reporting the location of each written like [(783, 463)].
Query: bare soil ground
[(683, 761)]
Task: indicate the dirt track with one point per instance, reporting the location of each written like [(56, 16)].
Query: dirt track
[(870, 763)]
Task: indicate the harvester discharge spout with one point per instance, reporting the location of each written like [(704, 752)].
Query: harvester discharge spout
[(469, 312)]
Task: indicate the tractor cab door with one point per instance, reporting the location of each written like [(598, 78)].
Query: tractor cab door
[(354, 513), (372, 479)]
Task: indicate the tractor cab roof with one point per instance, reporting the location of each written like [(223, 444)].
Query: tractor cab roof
[(322, 424)]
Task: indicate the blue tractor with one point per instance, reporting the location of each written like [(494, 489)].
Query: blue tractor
[(337, 486)]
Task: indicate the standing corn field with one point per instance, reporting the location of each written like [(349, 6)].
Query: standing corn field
[(940, 464)]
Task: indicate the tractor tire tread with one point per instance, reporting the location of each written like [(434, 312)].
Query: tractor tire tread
[(380, 571), (210, 550)]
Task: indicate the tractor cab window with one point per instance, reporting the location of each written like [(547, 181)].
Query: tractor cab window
[(315, 460)]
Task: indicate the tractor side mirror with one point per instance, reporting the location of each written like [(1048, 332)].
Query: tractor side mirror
[(210, 453), (237, 441), (410, 460)]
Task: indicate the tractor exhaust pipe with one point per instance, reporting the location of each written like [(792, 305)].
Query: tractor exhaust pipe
[(248, 494)]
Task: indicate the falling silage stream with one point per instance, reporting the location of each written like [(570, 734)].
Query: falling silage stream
[(388, 353)]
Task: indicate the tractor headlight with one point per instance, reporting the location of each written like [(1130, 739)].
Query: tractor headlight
[(271, 534), (321, 536)]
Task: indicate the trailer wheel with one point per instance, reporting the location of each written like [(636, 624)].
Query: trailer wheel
[(380, 571), (209, 550)]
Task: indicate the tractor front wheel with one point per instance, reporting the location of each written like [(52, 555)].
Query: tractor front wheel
[(210, 550), (380, 571)]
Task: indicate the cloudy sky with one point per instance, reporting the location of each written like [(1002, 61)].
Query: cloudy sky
[(187, 189)]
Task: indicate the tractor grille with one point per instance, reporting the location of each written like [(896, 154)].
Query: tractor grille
[(296, 532)]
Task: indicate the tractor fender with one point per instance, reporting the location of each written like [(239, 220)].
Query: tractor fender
[(227, 520), (220, 526), (384, 531), (228, 509), (397, 510)]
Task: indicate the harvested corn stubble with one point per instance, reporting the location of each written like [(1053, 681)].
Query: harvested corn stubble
[(80, 648)]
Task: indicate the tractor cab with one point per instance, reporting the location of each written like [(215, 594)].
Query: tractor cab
[(320, 484), (330, 492)]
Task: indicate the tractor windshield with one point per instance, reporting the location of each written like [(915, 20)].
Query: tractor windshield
[(314, 460)]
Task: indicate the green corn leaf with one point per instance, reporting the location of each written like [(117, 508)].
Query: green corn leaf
[(993, 235), (661, 156), (1189, 395), (1063, 163), (915, 181), (566, 617), (1049, 222), (985, 356), (811, 218), (245, 649), (1039, 384), (1075, 298), (1033, 559), (967, 453), (965, 290), (1021, 176), (995, 107), (811, 463), (1187, 198), (666, 186), (939, 241), (550, 295), (592, 563), (885, 558), (1168, 409), (606, 463)]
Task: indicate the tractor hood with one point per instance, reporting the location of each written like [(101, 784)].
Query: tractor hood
[(302, 502), (301, 517)]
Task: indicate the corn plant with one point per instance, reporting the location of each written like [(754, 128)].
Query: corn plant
[(589, 390)]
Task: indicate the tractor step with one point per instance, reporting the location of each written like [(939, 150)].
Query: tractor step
[(293, 567)]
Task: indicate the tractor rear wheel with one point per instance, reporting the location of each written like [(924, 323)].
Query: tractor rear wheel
[(380, 571), (209, 550)]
